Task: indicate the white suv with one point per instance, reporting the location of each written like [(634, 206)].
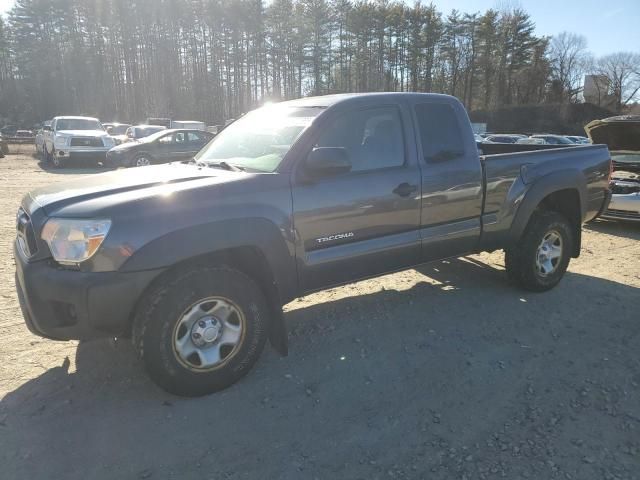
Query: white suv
[(75, 138)]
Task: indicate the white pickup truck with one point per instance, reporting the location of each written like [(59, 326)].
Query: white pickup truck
[(71, 138)]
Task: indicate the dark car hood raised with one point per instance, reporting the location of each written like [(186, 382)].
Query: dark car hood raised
[(59, 195), (620, 133)]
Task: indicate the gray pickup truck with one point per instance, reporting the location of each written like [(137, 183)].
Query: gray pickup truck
[(194, 260)]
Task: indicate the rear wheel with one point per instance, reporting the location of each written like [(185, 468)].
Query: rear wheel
[(202, 330), (542, 255)]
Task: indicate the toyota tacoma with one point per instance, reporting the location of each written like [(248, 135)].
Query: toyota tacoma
[(194, 260)]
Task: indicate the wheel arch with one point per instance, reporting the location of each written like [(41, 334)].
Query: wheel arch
[(143, 153), (564, 192), (257, 252)]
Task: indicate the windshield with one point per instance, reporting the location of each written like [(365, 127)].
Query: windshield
[(260, 139), (119, 129), (78, 124), (625, 157)]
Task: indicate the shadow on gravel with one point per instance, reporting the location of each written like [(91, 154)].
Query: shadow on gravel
[(618, 228), (458, 375), (75, 168)]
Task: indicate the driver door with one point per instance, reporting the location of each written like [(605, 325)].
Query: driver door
[(367, 221)]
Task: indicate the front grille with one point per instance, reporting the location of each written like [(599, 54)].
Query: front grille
[(26, 235), (86, 142), (622, 214)]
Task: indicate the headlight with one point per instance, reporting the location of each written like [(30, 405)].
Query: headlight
[(73, 241), (108, 142), (62, 141)]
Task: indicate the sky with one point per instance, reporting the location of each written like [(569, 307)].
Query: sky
[(609, 25)]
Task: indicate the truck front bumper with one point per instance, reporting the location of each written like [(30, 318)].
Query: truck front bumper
[(71, 305), (623, 207), (82, 154)]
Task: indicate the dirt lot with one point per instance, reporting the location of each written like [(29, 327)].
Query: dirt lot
[(445, 372)]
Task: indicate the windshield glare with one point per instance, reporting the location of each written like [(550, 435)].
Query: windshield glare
[(78, 124), (260, 139)]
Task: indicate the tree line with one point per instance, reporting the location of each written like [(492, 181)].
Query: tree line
[(214, 59)]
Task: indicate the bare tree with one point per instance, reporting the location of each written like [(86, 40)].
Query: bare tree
[(622, 69), (569, 60), (215, 59)]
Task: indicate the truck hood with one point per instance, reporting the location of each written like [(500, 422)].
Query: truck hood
[(136, 181), (83, 133), (620, 134)]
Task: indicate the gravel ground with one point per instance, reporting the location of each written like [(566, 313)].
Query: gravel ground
[(443, 372)]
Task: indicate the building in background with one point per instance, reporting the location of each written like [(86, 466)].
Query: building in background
[(597, 91)]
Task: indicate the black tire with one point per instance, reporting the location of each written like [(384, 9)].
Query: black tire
[(158, 320), (56, 162), (521, 260)]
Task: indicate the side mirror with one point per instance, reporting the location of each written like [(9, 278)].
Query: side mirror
[(326, 161), (46, 128)]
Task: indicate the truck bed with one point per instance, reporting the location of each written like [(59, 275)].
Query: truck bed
[(509, 176)]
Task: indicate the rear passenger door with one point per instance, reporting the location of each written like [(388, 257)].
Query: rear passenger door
[(196, 141), (364, 222), (451, 180), (164, 148)]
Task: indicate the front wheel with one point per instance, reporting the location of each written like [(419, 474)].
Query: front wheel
[(143, 160), (202, 330), (56, 161), (540, 259)]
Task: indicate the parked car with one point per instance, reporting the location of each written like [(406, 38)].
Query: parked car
[(530, 141), (39, 138), (118, 131), (622, 135), (504, 138), (163, 122), (195, 260), (188, 124), (24, 134), (39, 142), (72, 138), (139, 132), (578, 140), (553, 139), (9, 130), (161, 147), (116, 128)]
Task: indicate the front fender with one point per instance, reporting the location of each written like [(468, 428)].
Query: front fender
[(191, 242), (261, 234)]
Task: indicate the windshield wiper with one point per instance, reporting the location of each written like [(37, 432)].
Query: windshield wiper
[(224, 165)]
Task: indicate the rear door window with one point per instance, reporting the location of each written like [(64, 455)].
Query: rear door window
[(440, 132)]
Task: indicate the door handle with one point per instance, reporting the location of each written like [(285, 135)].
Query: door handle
[(405, 189)]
